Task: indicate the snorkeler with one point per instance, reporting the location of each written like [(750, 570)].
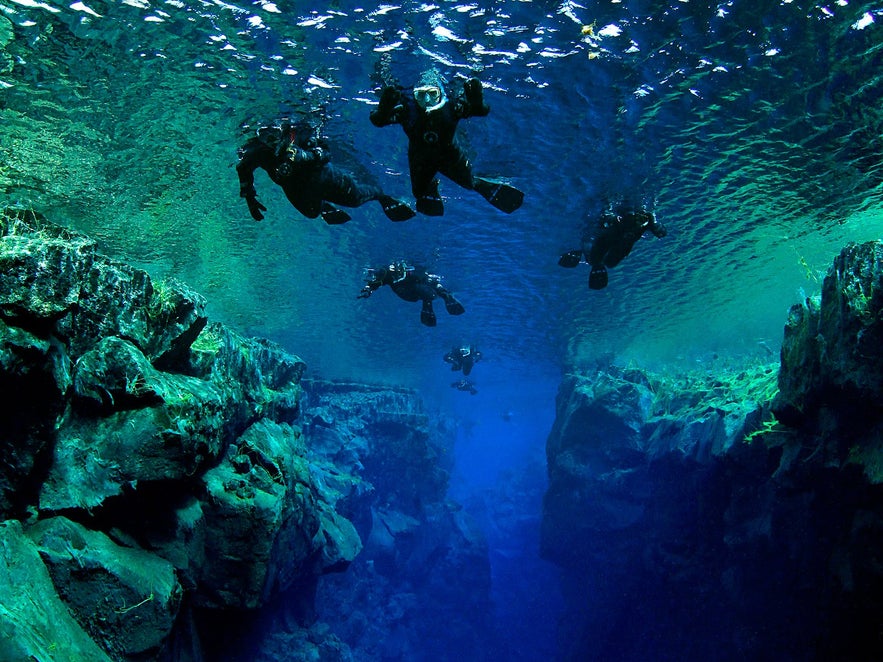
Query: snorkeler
[(463, 358), (613, 238), (465, 385), (412, 283), (429, 119), (297, 160)]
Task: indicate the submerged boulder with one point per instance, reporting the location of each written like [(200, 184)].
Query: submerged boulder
[(34, 623), (151, 453), (831, 380), (732, 515), (125, 597), (265, 524)]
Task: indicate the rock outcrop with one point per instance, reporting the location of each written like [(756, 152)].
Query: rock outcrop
[(151, 460), (710, 517), (424, 562)]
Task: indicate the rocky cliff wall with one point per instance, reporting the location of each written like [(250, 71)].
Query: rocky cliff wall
[(171, 490), (729, 515), (152, 468)]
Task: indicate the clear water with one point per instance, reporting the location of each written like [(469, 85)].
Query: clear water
[(754, 128)]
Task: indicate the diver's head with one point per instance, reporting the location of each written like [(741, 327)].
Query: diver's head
[(429, 93)]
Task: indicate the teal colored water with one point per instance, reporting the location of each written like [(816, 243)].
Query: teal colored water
[(753, 128)]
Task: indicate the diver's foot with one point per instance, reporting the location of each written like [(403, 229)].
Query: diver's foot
[(598, 278), (427, 317), (395, 210), (502, 196), (431, 205), (334, 216), (570, 260)]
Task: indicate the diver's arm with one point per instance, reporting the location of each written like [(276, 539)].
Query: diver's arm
[(369, 288), (658, 229), (471, 102), (249, 160), (387, 111)]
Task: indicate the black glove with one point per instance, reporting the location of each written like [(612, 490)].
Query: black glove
[(255, 207), (385, 112), (365, 293), (475, 97), (659, 229), (389, 98)]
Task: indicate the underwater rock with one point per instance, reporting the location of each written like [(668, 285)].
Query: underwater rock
[(264, 377), (127, 598), (159, 426), (831, 380), (264, 523), (34, 622), (689, 523), (831, 351), (130, 414), (613, 428), (33, 378), (54, 283)]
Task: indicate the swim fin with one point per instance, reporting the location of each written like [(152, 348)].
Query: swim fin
[(570, 259), (598, 278), (453, 306), (431, 206), (334, 216), (502, 196), (395, 210), (427, 314)]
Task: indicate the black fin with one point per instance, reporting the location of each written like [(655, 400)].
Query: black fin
[(334, 216), (453, 306), (427, 314), (502, 196), (598, 278), (396, 210), (570, 259), (431, 206)]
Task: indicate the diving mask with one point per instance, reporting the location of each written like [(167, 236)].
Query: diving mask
[(430, 97)]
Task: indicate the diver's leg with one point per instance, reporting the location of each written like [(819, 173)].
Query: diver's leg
[(342, 188), (395, 210), (424, 184), (308, 205), (457, 168)]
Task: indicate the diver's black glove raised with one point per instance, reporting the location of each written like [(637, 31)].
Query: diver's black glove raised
[(475, 97), (255, 208), (658, 229), (390, 98), (364, 293)]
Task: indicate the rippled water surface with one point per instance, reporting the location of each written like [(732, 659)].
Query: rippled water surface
[(753, 128)]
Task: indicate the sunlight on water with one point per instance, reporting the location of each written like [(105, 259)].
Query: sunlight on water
[(755, 134)]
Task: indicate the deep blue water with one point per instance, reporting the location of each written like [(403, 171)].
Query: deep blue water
[(752, 128)]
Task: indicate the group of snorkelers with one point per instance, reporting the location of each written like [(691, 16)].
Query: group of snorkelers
[(295, 157)]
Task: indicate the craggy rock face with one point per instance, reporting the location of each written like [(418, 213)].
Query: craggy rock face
[(712, 517), (831, 358), (167, 439)]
